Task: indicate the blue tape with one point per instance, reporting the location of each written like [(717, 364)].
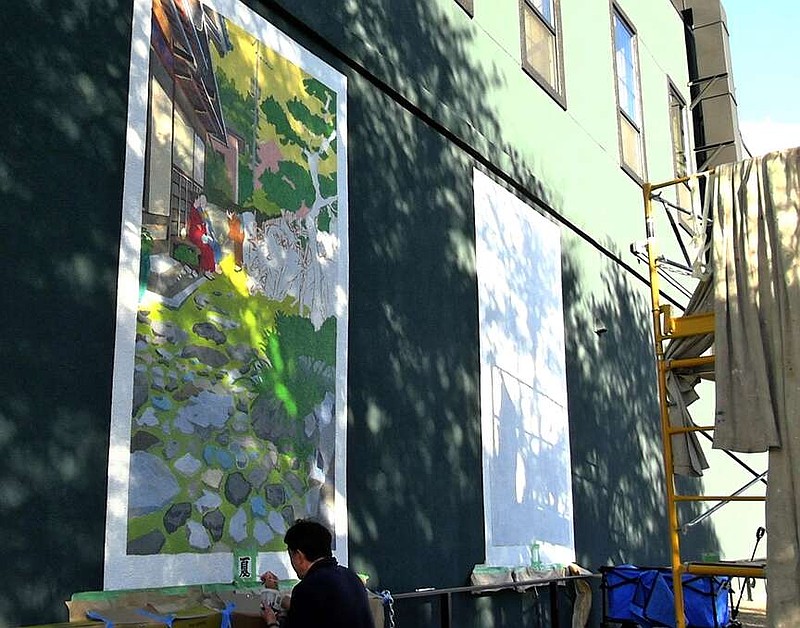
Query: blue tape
[(226, 615), (99, 617)]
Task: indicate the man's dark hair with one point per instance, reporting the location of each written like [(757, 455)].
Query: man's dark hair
[(310, 537)]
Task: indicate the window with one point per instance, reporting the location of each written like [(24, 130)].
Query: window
[(541, 45), (626, 66), (677, 123), (467, 6), (680, 157)]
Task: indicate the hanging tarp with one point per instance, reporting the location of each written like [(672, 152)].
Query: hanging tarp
[(756, 260), (687, 454)]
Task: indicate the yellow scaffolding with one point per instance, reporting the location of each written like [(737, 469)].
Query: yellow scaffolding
[(667, 327)]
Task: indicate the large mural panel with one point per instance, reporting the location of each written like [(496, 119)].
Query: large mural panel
[(228, 410), (524, 417)]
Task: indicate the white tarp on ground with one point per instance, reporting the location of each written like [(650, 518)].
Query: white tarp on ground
[(756, 258)]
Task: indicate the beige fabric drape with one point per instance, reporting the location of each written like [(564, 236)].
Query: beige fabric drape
[(687, 454), (756, 259)]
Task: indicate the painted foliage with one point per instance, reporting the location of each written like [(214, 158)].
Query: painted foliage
[(237, 385)]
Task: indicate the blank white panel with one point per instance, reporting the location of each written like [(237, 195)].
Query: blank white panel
[(524, 420)]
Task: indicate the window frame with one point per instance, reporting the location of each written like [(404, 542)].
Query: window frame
[(618, 13), (674, 92), (556, 92), (468, 6)]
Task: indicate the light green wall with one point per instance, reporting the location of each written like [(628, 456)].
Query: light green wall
[(573, 155)]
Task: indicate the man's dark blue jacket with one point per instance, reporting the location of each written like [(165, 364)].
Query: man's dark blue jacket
[(329, 596)]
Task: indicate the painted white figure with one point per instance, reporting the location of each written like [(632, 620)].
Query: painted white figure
[(290, 257), (293, 259), (250, 244)]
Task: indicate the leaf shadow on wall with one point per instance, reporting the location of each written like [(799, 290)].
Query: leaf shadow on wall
[(61, 165), (415, 497), (620, 497)]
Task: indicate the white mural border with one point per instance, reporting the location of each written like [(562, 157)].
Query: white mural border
[(124, 571)]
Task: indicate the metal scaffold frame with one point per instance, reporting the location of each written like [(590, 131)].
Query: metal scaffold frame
[(665, 328)]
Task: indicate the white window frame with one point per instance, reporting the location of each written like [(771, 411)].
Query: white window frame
[(468, 6), (555, 89), (680, 142), (632, 120)]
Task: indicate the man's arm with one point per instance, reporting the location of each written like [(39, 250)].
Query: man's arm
[(269, 617)]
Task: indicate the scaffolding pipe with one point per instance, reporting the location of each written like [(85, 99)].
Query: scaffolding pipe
[(720, 498), (669, 480), (667, 430), (713, 509)]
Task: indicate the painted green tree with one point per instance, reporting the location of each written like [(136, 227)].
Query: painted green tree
[(218, 187), (295, 186), (241, 117)]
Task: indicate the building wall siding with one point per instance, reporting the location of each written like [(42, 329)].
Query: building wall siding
[(432, 94)]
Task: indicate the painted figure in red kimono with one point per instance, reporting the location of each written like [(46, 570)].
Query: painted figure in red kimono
[(199, 234)]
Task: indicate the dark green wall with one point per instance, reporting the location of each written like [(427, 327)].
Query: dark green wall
[(63, 97), (414, 447), (414, 455)]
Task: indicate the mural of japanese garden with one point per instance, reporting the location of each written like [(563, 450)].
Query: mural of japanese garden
[(233, 426)]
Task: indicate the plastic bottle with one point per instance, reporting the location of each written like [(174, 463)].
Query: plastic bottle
[(536, 559)]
